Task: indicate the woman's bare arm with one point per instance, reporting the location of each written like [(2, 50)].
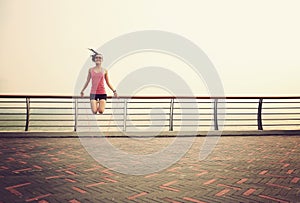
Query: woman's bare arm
[(86, 83), (109, 84)]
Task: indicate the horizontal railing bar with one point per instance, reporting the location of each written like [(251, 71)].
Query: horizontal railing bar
[(36, 120), (51, 108), (200, 125), (231, 108), (12, 114), (88, 126), (152, 120), (145, 114), (43, 120), (102, 120), (12, 126), (200, 119), (239, 125), (51, 126), (101, 126), (70, 114), (89, 108), (131, 102), (50, 102), (204, 108), (212, 114), (7, 107), (285, 124), (237, 108), (138, 121), (106, 109), (95, 126), (89, 114), (197, 102), (12, 120), (146, 119), (51, 114), (281, 119), (114, 126), (251, 102), (281, 107), (62, 126), (166, 108), (153, 97), (207, 119), (281, 102), (237, 102), (147, 102), (219, 102), (194, 125), (280, 113), (15, 102), (128, 126)]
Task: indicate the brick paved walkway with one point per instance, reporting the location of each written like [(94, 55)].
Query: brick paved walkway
[(240, 169)]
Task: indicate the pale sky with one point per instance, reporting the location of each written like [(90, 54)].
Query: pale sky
[(253, 44)]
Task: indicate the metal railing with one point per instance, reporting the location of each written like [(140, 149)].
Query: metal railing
[(69, 113)]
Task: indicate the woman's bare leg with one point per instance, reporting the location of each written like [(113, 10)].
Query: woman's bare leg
[(94, 106), (101, 107)]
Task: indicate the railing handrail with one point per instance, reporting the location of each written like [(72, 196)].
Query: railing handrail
[(150, 97)]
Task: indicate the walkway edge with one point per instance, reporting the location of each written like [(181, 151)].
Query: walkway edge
[(47, 134)]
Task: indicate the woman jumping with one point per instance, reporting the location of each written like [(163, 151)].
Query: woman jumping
[(98, 94)]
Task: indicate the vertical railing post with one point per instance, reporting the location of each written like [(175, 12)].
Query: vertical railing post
[(125, 115), (259, 110), (76, 114), (216, 126), (171, 114), (27, 113)]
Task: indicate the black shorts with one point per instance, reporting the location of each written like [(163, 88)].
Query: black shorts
[(98, 96)]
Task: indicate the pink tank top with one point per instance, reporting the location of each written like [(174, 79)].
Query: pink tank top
[(97, 82)]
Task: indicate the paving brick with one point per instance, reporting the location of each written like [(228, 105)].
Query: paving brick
[(240, 169)]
